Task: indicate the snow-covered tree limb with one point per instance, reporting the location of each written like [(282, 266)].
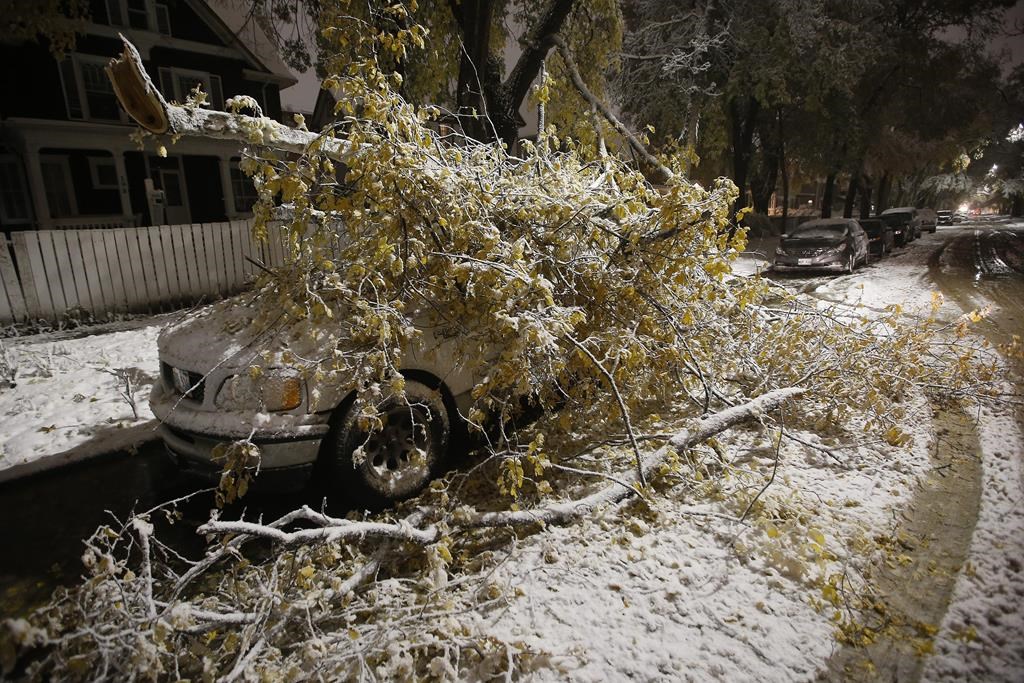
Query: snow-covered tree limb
[(334, 529), (142, 100)]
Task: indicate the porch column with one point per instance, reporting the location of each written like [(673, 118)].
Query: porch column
[(122, 186), (225, 182), (37, 188)]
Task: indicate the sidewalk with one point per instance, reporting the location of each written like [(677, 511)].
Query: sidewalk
[(70, 399)]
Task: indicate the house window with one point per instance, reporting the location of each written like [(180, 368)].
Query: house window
[(100, 100), (177, 84), (242, 188), (138, 14), (14, 199), (88, 92), (115, 14), (163, 20), (131, 13), (103, 173), (60, 192)]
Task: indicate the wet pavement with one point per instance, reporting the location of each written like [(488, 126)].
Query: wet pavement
[(46, 517)]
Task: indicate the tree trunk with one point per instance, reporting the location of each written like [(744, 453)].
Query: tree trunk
[(741, 124), (762, 183), (884, 188), (851, 194), (474, 18), (867, 189), (828, 198), (479, 83), (785, 187)]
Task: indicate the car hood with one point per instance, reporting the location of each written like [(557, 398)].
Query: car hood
[(222, 335), (231, 336), (812, 242)]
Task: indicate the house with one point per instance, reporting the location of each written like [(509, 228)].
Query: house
[(66, 158)]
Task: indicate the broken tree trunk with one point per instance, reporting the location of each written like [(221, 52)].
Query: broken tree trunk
[(142, 100)]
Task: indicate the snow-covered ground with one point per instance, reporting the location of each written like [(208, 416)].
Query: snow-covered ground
[(66, 404), (674, 593)]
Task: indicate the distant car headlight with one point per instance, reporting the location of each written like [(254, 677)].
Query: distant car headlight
[(273, 393)]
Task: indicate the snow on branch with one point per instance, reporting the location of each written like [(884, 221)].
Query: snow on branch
[(333, 529), (142, 100)]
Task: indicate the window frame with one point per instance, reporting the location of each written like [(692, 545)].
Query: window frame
[(94, 164), (77, 60), (64, 162), (122, 14), (235, 166), (21, 187), (216, 95)]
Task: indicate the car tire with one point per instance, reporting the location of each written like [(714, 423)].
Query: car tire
[(372, 470)]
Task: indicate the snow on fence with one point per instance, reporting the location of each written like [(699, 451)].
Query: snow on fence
[(45, 274)]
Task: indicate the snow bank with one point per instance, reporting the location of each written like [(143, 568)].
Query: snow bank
[(67, 404)]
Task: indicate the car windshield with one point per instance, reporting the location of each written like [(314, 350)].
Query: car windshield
[(872, 228), (819, 231), (896, 218)]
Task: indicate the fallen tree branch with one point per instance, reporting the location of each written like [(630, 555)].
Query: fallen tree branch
[(142, 100), (335, 529)]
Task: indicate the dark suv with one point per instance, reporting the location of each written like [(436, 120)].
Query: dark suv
[(905, 224), (880, 236)]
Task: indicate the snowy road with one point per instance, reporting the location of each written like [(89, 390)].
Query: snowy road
[(964, 529)]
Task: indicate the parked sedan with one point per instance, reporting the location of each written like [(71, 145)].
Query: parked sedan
[(945, 217), (837, 244), (880, 236)]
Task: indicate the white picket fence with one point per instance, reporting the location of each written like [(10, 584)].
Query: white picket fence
[(45, 274)]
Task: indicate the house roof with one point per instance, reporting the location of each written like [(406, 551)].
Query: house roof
[(235, 26)]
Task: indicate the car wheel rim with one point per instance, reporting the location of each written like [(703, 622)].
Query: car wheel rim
[(399, 458)]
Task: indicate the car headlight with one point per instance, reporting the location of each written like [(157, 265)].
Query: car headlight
[(839, 249), (273, 393), (779, 251)]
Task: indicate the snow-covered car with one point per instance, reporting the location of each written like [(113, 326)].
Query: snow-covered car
[(928, 219), (944, 217), (905, 224), (880, 237), (223, 380), (837, 244)]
